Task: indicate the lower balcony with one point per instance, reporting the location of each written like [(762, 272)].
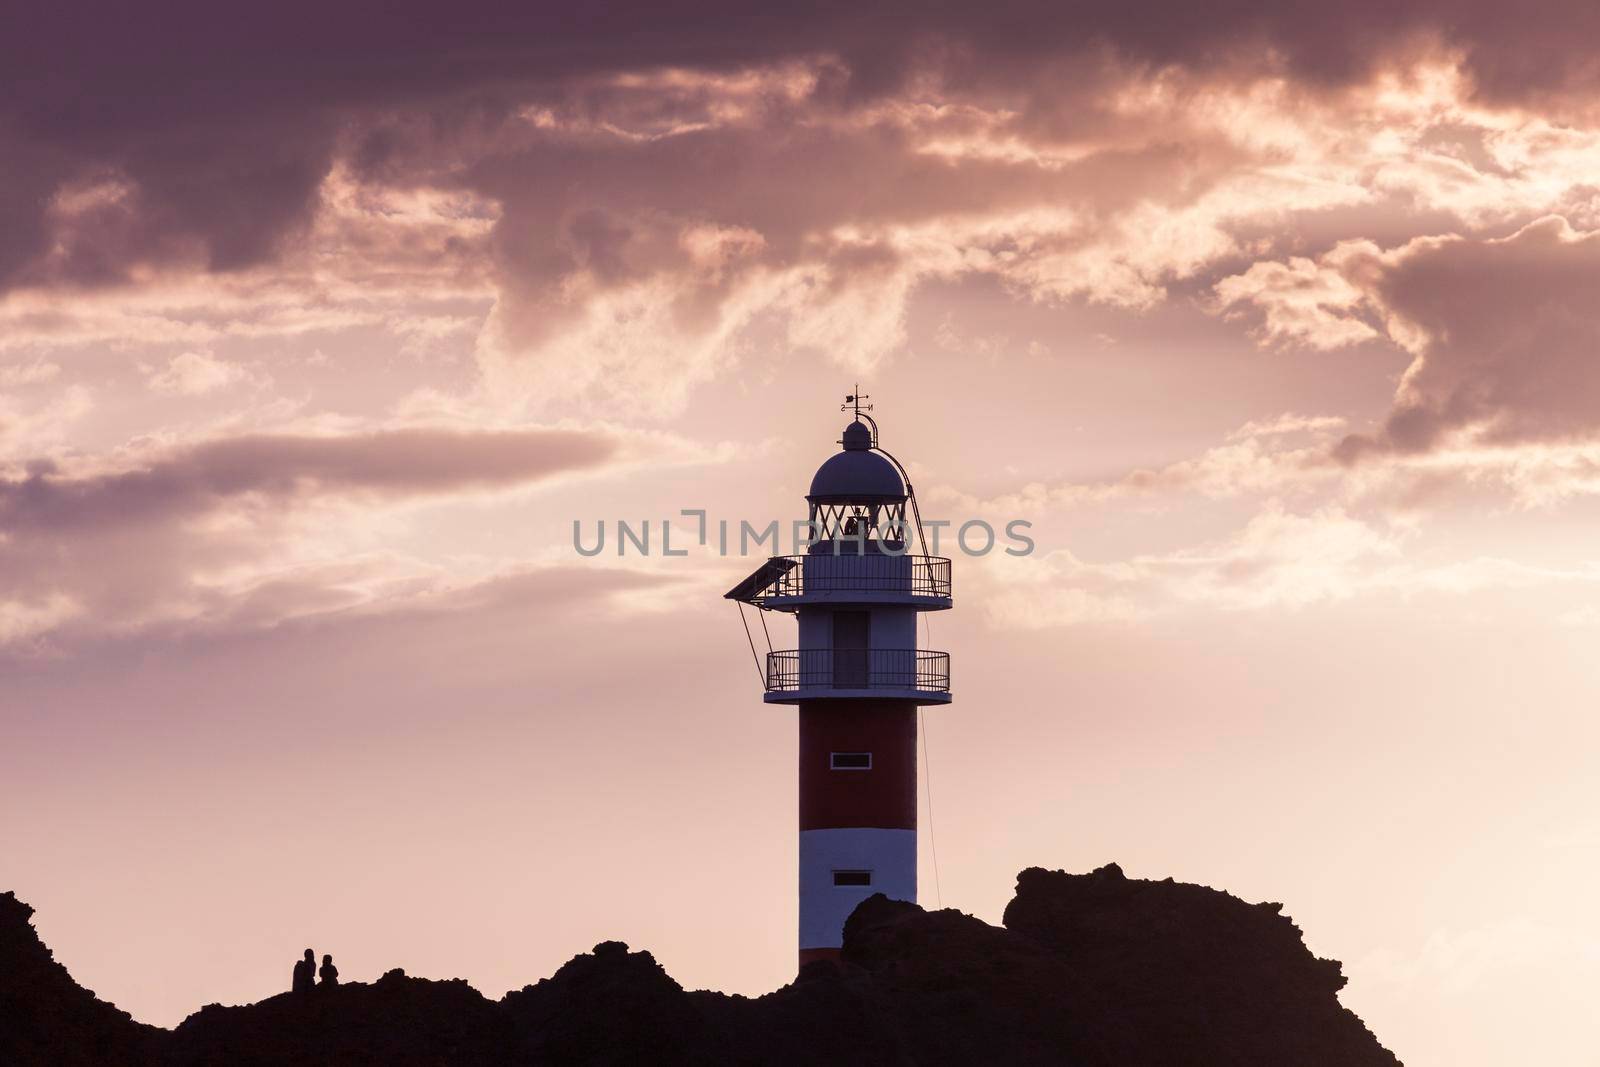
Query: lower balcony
[(853, 673)]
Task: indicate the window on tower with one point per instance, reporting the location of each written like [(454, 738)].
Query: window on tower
[(850, 761), (852, 877)]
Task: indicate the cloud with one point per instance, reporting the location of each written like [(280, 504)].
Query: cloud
[(1301, 301), (1502, 331), (410, 261), (617, 224), (277, 468), (36, 372), (21, 621), (1288, 423), (194, 529), (643, 211), (1280, 560), (34, 425), (1281, 457), (1504, 335), (195, 373), (668, 226), (1296, 458)]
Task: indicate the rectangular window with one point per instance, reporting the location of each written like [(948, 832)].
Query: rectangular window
[(850, 761), (852, 877)]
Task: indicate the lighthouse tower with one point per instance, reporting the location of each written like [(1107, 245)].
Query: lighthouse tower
[(857, 678)]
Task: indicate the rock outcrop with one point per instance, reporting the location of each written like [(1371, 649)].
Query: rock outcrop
[(1171, 969), (395, 1020), (46, 1017), (1092, 970)]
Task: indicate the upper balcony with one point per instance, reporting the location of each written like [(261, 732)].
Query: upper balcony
[(786, 583)]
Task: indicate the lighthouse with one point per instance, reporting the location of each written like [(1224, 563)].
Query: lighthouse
[(857, 678)]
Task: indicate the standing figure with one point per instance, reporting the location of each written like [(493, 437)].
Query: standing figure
[(305, 973), (329, 973)]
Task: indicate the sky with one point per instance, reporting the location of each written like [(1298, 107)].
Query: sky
[(321, 326)]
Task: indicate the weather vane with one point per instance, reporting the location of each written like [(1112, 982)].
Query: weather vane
[(855, 400)]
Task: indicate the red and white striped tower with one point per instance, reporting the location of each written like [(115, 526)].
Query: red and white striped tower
[(858, 678)]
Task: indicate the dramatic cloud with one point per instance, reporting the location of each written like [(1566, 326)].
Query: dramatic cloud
[(645, 208), (184, 531), (219, 224), (1502, 331), (1506, 340)]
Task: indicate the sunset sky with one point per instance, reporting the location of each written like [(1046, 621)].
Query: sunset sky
[(321, 324)]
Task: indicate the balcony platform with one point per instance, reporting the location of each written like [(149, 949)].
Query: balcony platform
[(911, 674), (789, 583), (805, 696)]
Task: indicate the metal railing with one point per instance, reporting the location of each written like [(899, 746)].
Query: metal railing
[(858, 668), (918, 576)]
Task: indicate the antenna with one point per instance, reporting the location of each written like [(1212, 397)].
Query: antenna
[(853, 401)]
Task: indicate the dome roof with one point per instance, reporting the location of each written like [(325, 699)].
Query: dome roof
[(856, 475), (856, 437)]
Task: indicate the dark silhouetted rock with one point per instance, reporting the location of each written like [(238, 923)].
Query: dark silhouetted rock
[(396, 1020), (46, 1017), (1192, 974), (1090, 970), (606, 1007)]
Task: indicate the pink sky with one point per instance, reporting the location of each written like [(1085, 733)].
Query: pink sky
[(319, 330)]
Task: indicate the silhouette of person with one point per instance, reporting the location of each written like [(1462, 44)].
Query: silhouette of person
[(305, 973), (329, 973)]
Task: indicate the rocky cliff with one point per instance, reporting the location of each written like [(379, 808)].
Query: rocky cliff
[(1092, 970), (47, 1018)]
